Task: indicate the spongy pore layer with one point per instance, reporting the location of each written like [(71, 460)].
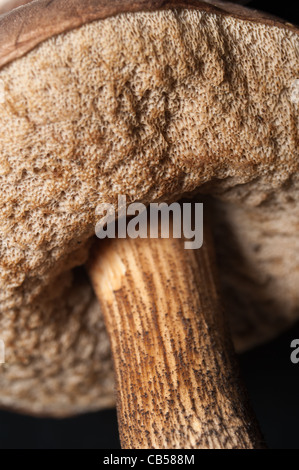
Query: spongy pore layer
[(152, 106)]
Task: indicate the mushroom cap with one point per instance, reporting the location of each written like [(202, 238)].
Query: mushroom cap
[(154, 100)]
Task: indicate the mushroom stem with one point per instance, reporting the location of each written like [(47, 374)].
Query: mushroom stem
[(176, 378)]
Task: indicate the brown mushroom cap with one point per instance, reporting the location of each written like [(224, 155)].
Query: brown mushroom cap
[(154, 100)]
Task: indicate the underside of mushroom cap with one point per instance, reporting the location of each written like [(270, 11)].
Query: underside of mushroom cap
[(153, 105)]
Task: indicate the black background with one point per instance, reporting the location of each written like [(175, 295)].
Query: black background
[(271, 378)]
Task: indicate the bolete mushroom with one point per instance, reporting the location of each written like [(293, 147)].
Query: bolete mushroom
[(154, 100)]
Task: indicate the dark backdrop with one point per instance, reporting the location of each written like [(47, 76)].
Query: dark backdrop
[(271, 378)]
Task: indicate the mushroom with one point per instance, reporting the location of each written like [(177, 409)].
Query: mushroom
[(156, 101)]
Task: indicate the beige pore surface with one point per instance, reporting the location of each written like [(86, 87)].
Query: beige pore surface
[(153, 106)]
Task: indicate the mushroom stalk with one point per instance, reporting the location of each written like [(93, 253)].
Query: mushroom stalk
[(176, 378)]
